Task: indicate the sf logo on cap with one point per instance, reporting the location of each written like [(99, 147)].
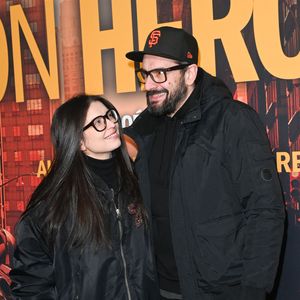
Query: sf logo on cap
[(153, 39)]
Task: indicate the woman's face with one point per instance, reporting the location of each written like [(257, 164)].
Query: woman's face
[(97, 144)]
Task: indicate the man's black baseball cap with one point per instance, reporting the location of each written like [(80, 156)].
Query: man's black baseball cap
[(169, 42)]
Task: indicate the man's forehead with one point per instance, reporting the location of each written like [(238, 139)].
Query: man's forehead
[(157, 60)]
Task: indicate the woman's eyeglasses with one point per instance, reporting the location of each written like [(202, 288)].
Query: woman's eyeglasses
[(99, 123)]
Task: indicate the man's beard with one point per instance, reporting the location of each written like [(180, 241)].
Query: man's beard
[(171, 102)]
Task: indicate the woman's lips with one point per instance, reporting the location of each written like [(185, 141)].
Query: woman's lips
[(114, 134)]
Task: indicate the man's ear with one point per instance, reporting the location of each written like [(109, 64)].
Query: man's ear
[(191, 74)]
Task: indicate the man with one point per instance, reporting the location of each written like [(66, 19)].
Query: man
[(207, 176)]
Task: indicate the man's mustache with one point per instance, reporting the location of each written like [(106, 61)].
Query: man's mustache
[(154, 92)]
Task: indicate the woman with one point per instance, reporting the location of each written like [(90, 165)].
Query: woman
[(84, 233)]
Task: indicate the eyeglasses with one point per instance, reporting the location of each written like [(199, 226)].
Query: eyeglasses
[(99, 123), (157, 75)]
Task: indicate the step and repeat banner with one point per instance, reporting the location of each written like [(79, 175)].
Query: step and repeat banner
[(51, 50)]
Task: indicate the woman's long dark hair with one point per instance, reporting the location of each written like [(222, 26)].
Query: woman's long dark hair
[(67, 194)]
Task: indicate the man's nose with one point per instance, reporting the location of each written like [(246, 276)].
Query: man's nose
[(149, 83)]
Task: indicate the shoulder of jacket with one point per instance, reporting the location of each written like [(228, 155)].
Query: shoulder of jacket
[(244, 122), (238, 108), (145, 124), (28, 225)]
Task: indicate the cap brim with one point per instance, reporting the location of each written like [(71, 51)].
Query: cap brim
[(135, 55)]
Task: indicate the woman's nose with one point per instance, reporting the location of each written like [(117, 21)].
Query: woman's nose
[(110, 124)]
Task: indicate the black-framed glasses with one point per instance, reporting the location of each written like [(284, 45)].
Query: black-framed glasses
[(99, 123), (158, 75)]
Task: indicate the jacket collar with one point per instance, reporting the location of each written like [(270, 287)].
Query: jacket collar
[(191, 109)]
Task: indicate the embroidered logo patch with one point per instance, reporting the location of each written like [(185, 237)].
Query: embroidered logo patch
[(154, 37), (134, 210), (189, 55)]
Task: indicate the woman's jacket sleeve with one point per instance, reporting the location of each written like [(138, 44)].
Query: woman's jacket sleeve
[(32, 271)]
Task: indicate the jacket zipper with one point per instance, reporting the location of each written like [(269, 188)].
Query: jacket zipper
[(121, 248)]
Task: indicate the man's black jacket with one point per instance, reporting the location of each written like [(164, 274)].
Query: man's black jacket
[(225, 205)]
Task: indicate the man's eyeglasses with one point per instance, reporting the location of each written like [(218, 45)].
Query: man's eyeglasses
[(157, 75), (99, 123)]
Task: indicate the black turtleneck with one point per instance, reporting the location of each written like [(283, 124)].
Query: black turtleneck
[(160, 161), (106, 169)]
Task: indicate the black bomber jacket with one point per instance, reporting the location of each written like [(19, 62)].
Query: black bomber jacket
[(123, 271)]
